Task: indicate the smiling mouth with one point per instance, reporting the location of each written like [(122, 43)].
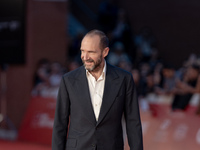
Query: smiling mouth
[(88, 62)]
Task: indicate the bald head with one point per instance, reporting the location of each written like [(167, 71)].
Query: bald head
[(104, 42)]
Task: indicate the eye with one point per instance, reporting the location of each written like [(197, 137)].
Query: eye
[(92, 52)]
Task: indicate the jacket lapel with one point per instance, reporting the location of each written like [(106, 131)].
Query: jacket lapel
[(111, 89), (82, 88), (112, 86)]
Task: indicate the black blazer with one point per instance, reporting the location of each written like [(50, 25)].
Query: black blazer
[(84, 132)]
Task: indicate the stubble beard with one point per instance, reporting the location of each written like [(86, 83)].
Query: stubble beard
[(95, 66)]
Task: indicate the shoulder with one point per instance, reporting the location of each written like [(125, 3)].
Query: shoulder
[(75, 73), (125, 76), (119, 71)]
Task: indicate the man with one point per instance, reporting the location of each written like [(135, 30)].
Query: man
[(185, 88), (95, 97)]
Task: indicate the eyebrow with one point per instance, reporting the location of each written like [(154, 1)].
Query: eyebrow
[(88, 50)]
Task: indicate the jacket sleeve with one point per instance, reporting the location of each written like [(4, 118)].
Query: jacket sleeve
[(132, 116), (61, 119)]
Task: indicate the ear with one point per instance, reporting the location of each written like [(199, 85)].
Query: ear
[(105, 51)]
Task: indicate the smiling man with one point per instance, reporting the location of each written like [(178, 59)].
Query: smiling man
[(95, 97), (93, 52)]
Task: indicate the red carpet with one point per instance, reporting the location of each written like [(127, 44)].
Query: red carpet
[(19, 145)]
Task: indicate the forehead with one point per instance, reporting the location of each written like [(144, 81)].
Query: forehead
[(90, 42)]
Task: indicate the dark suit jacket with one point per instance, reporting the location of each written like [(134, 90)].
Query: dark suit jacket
[(85, 133)]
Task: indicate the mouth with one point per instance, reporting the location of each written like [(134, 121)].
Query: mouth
[(88, 62)]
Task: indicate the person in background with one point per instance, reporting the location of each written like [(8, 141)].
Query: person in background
[(42, 72), (41, 77), (169, 78), (118, 54), (186, 87), (72, 65), (55, 74)]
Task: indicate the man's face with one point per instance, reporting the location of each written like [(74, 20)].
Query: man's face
[(91, 54)]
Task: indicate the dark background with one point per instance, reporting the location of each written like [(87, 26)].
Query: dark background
[(12, 31), (175, 24)]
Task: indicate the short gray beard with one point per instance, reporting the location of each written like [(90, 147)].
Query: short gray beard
[(95, 67)]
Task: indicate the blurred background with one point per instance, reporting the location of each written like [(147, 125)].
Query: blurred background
[(157, 41)]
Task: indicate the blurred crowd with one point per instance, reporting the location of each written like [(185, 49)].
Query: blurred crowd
[(47, 78), (136, 53)]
